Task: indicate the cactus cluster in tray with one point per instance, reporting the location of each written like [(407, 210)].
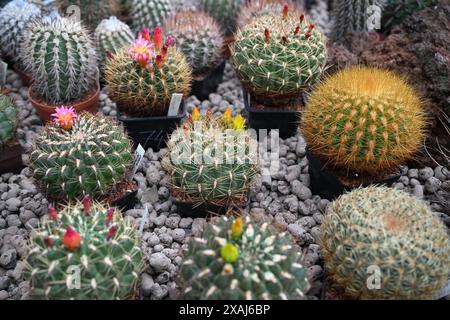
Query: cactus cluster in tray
[(364, 119), (142, 78), (211, 159), (236, 259), (277, 56), (61, 58), (14, 18), (199, 38), (112, 35), (86, 156), (8, 118), (386, 233), (224, 11), (85, 250), (150, 13)]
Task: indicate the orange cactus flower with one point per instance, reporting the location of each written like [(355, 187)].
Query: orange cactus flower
[(71, 239)]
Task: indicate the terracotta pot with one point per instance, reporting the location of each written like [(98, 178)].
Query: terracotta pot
[(89, 103), (25, 77)]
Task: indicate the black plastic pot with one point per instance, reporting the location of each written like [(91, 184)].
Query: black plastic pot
[(285, 121), (327, 185), (151, 132), (201, 88), (11, 157), (126, 202)]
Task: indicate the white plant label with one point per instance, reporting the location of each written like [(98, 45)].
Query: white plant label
[(138, 156), (144, 218), (175, 103), (3, 69), (444, 292)]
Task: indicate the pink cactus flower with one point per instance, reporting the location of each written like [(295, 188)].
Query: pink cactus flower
[(141, 51), (64, 117)]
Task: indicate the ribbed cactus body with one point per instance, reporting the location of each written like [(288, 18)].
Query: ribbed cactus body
[(141, 91), (8, 118), (364, 120), (107, 262), (354, 16), (112, 35), (267, 265), (209, 163), (398, 10), (149, 13), (14, 18), (198, 37), (88, 159), (61, 57), (277, 57), (91, 11), (224, 11), (46, 6), (387, 231)]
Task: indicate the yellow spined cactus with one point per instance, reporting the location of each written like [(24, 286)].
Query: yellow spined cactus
[(364, 119)]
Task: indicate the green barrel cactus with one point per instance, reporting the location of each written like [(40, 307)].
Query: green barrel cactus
[(61, 57), (88, 158), (212, 162), (199, 38), (364, 119), (14, 18), (149, 13), (398, 10), (8, 118), (236, 259), (224, 11), (91, 11), (277, 56), (383, 230), (142, 78), (91, 241), (112, 35)]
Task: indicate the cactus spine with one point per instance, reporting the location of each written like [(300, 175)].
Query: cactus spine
[(98, 241), (65, 70), (364, 120), (8, 118), (150, 13), (392, 231)]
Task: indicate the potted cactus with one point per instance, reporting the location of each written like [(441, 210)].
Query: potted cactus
[(89, 239), (14, 18), (82, 154), (200, 39), (379, 230), (212, 162), (10, 149), (277, 57), (236, 259), (62, 60), (360, 125), (141, 79)]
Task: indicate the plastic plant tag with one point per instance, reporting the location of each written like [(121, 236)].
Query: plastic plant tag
[(3, 69), (138, 156), (445, 291), (144, 219), (175, 103)]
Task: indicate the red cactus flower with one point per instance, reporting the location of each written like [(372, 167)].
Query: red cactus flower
[(48, 241), (86, 204), (297, 30), (108, 54), (109, 215), (302, 18), (71, 239), (52, 212), (285, 10), (164, 50), (158, 38), (159, 61), (111, 232), (170, 41), (145, 34), (267, 34), (285, 39)]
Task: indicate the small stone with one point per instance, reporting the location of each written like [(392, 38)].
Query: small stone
[(215, 98), (4, 282), (315, 233), (163, 277), (26, 215), (163, 192), (300, 148), (150, 195), (303, 209), (197, 226), (258, 215), (153, 240), (314, 273), (166, 239), (159, 262), (8, 259), (293, 173), (404, 180), (418, 191), (441, 173), (296, 230), (13, 204), (318, 217), (158, 248), (306, 222), (185, 223), (146, 284), (323, 204), (13, 220), (311, 259), (305, 178), (4, 295), (178, 235), (425, 174), (432, 184), (159, 291), (301, 191), (414, 182), (274, 207), (446, 185), (413, 173), (291, 203), (173, 221)]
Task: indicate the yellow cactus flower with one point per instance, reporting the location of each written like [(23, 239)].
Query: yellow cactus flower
[(196, 114), (229, 253), (238, 122), (236, 229)]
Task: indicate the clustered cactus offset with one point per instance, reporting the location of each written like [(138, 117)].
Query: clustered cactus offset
[(150, 13), (112, 35), (61, 57), (224, 11), (90, 240), (199, 38), (392, 231), (8, 118), (212, 160), (87, 155), (142, 78), (14, 18), (236, 259), (364, 119), (277, 56)]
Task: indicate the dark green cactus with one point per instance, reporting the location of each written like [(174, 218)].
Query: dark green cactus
[(224, 11), (237, 260), (8, 118), (149, 13), (86, 240), (88, 159), (398, 10)]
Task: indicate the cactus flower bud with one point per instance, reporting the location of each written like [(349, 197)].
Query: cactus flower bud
[(229, 253), (111, 232), (108, 54), (297, 30), (71, 239), (48, 242), (159, 61), (267, 34), (109, 215), (285, 39), (285, 11), (86, 204), (52, 212), (196, 114), (302, 18), (158, 39), (237, 228), (145, 34)]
